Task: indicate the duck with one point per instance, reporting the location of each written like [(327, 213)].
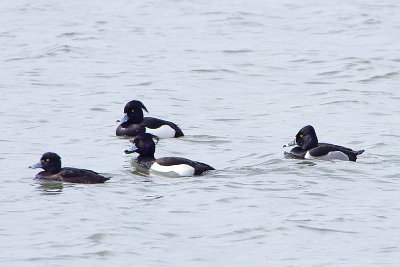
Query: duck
[(309, 148), (144, 145), (133, 123), (51, 163)]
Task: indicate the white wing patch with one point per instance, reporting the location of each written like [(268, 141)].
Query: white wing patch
[(180, 169), (330, 156), (164, 131)]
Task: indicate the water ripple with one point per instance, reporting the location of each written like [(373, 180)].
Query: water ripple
[(389, 75), (326, 230)]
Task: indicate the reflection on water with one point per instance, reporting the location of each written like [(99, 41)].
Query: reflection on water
[(307, 162), (138, 169), (50, 187)]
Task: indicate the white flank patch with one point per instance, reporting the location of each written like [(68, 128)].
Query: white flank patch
[(180, 169), (330, 156), (164, 131)]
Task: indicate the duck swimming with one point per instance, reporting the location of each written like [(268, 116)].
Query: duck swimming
[(51, 163), (133, 123), (144, 145), (309, 148)]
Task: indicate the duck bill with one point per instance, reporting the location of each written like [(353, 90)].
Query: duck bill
[(293, 143), (125, 118), (132, 149), (36, 166)]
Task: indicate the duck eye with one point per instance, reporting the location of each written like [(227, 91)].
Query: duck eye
[(301, 136), (132, 110), (47, 160)]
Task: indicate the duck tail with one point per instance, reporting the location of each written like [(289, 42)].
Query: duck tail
[(359, 152)]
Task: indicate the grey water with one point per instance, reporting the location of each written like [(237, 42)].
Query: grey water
[(240, 78)]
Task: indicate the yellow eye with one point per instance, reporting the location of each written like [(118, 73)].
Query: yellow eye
[(47, 160), (301, 136), (132, 110)]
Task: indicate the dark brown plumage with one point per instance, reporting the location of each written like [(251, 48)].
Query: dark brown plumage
[(51, 163)]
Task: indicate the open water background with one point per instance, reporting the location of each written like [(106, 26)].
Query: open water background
[(240, 78)]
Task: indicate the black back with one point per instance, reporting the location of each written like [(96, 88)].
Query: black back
[(324, 148), (199, 167), (155, 123)]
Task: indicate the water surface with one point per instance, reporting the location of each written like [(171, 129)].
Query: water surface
[(240, 78)]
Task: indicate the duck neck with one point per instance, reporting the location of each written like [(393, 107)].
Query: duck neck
[(314, 143), (136, 117), (147, 158), (53, 169)]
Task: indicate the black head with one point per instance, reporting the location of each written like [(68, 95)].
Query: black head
[(306, 138), (134, 111), (50, 162), (143, 145)]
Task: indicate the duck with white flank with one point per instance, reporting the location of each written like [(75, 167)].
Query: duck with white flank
[(144, 145), (309, 148)]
